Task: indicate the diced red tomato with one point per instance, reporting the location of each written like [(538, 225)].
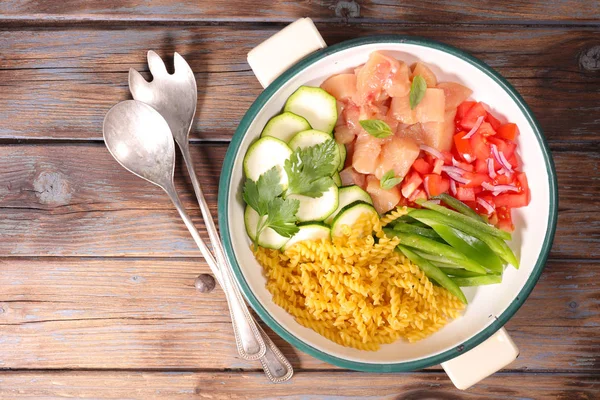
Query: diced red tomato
[(485, 129), (422, 166), (511, 200), (462, 109), (505, 219), (475, 179), (418, 194), (463, 146), (481, 166), (522, 179), (480, 147), (493, 121), (513, 160), (410, 184), (470, 118), (436, 185), (465, 194), (508, 131), (465, 166)]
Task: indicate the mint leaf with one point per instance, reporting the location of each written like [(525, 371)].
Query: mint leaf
[(309, 169), (389, 180), (282, 216), (376, 128), (417, 91), (258, 194)]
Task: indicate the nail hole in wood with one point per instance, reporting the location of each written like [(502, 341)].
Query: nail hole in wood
[(589, 59), (205, 283)]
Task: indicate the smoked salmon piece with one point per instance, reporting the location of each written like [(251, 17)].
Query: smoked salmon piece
[(342, 86), (349, 176), (397, 155), (383, 200), (366, 153), (420, 68), (430, 109), (454, 93)]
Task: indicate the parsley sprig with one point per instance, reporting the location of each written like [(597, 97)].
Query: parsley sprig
[(309, 169), (274, 212)]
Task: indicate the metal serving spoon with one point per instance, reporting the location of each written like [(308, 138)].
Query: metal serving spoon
[(175, 97), (139, 138)]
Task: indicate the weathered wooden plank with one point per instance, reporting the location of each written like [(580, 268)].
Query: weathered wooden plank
[(60, 83), (305, 385), (462, 11), (145, 313), (75, 200)]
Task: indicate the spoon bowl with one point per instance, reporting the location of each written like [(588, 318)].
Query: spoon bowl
[(139, 138)]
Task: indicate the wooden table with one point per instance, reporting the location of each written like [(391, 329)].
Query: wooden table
[(97, 270)]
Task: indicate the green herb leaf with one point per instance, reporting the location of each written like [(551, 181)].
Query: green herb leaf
[(417, 91), (309, 170), (258, 194), (282, 216), (376, 128), (389, 180)]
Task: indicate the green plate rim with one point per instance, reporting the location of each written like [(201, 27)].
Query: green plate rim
[(224, 189)]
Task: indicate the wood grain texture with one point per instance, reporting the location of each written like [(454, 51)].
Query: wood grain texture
[(58, 84), (54, 204), (146, 314), (412, 11), (330, 386)]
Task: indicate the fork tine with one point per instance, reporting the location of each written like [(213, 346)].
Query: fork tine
[(181, 65), (156, 65), (138, 86)]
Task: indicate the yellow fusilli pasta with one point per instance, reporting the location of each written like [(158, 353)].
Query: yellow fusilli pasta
[(355, 290)]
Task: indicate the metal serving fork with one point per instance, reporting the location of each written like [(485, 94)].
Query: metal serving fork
[(175, 97)]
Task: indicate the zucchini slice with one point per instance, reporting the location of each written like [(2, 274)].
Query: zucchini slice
[(263, 155), (348, 195), (268, 238), (316, 105), (284, 126), (317, 208), (309, 231), (349, 215)]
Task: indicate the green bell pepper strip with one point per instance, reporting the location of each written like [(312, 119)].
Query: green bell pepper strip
[(458, 272), (477, 280), (470, 246), (464, 220), (437, 248), (458, 206), (496, 244), (434, 273), (417, 230)]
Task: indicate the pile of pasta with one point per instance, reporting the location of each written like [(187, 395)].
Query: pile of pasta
[(355, 289)]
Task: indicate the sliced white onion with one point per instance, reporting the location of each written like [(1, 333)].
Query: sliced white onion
[(453, 187), (453, 170), (490, 165), (488, 207), (434, 152), (425, 182), (488, 186), (499, 156), (458, 178), (505, 162), (474, 129), (467, 157), (501, 171)]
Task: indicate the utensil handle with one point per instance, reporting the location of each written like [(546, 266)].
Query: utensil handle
[(285, 48), (248, 340), (276, 366), (480, 362)]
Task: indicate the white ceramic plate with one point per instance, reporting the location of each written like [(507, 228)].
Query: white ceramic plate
[(489, 306)]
